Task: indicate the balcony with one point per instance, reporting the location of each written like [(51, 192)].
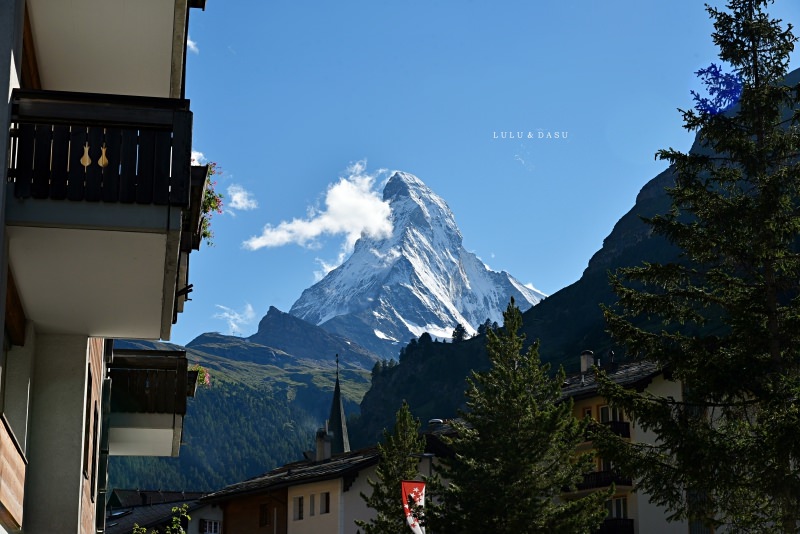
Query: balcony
[(616, 526), (108, 148), (148, 402), (602, 479), (12, 479), (101, 196), (620, 428)]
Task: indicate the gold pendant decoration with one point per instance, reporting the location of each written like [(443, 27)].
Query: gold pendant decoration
[(85, 159), (103, 161)]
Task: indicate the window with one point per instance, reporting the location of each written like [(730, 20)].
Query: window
[(606, 465), (311, 505), (95, 432), (297, 508), (587, 412), (697, 527), (617, 508), (695, 499), (4, 368), (263, 515), (608, 413), (325, 502), (210, 526), (87, 425)]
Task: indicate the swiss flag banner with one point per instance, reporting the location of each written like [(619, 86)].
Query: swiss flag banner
[(414, 495)]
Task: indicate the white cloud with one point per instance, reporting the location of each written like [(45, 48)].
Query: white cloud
[(198, 157), (352, 208), (236, 319), (192, 45), (239, 199)]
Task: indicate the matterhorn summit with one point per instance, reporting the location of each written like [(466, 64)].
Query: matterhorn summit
[(421, 279)]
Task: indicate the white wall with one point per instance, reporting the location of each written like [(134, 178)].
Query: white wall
[(650, 517), (208, 512), (355, 506), (318, 523), (54, 478), (18, 384)]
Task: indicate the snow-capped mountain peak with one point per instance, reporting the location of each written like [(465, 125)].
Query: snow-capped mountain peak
[(421, 279)]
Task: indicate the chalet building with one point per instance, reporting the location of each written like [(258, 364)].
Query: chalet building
[(99, 212), (628, 512), (309, 496), (320, 494)]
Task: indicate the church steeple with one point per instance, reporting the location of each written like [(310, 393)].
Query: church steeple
[(337, 422)]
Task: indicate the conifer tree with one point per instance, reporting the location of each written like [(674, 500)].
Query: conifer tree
[(399, 457), (724, 319), (515, 450), (459, 333)]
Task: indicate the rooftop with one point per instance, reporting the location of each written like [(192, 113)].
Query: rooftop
[(301, 472), (145, 508), (635, 375)]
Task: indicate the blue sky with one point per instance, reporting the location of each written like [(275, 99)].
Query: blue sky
[(306, 107)]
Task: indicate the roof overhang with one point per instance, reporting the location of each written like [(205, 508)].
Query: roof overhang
[(113, 46), (104, 270)]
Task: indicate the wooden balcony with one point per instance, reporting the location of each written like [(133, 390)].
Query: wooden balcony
[(12, 479), (602, 479), (148, 402), (616, 526), (103, 185), (100, 148)]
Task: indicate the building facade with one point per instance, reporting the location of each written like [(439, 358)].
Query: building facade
[(99, 211), (629, 512)]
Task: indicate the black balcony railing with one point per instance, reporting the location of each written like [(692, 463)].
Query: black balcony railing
[(615, 526), (109, 148), (149, 381), (602, 479), (620, 428)]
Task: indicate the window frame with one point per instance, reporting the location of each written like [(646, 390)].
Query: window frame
[(325, 502), (297, 508), (617, 508), (607, 413)]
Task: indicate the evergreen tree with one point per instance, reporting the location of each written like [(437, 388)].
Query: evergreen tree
[(399, 457), (460, 333), (486, 325), (515, 449), (725, 318)]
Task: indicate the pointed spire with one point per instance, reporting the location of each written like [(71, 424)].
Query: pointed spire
[(338, 421)]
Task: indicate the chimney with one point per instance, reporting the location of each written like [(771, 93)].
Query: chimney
[(323, 444), (587, 360)]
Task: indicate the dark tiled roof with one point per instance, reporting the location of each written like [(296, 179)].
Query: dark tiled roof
[(127, 498), (628, 374), (122, 520), (300, 473)]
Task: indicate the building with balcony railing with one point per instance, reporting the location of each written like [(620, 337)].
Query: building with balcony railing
[(629, 512), (99, 212)]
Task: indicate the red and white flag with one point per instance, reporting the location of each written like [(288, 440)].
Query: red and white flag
[(414, 494)]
